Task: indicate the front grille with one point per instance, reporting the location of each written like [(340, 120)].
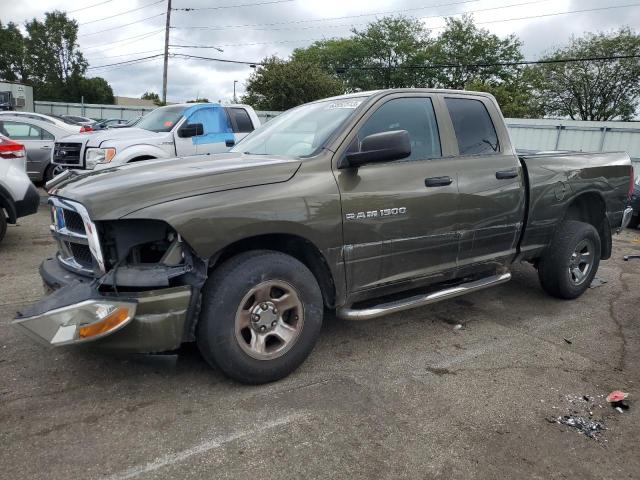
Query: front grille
[(79, 248), (81, 254), (73, 222), (65, 153)]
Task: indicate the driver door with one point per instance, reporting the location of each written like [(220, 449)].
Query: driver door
[(400, 217), (217, 134)]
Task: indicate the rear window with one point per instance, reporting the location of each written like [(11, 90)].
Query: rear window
[(241, 120), (473, 126)]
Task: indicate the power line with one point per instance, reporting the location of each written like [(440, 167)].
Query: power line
[(530, 2), (270, 2), (90, 6), (121, 26), (388, 12), (124, 55), (499, 64), (222, 60), (127, 62), (138, 37), (122, 13), (432, 28)]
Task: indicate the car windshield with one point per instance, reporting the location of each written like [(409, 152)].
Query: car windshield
[(301, 131), (161, 119)]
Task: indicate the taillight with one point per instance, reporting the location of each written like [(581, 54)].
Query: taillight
[(12, 150), (86, 128)]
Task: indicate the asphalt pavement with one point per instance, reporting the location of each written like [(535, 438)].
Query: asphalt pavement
[(465, 389)]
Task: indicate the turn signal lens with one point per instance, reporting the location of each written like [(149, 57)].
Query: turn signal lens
[(111, 321), (109, 153)]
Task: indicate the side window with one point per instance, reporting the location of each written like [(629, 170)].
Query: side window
[(473, 126), (242, 120), (45, 135), (17, 130), (416, 116), (215, 124)]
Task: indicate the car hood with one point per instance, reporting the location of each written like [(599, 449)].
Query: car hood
[(97, 138), (119, 191)]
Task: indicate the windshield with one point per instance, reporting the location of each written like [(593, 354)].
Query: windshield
[(299, 132), (161, 119)]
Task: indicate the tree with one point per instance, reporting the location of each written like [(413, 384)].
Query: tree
[(375, 57), (198, 100), (12, 67), (93, 90), (515, 96), (463, 43), (282, 84), (153, 96), (52, 56), (592, 90)]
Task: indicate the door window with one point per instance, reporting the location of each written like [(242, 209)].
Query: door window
[(416, 116), (242, 120), (215, 124), (21, 131), (473, 126)]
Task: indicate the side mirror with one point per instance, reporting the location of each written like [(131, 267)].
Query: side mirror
[(191, 130), (380, 147), (229, 143)]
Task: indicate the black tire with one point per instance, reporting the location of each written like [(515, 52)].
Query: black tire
[(222, 296), (555, 267), (3, 224), (634, 222), (48, 174)]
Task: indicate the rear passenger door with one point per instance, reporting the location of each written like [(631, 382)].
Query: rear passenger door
[(38, 144), (490, 183), (240, 121), (399, 217)]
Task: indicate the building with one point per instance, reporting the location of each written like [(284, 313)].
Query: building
[(16, 96)]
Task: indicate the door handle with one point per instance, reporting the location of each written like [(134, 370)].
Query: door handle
[(46, 147), (438, 181), (506, 174)]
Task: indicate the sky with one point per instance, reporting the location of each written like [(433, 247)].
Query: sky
[(249, 30)]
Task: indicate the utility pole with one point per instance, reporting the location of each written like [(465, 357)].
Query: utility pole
[(234, 91), (166, 53)]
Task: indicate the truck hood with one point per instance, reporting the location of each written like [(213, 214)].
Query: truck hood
[(119, 191), (110, 135)]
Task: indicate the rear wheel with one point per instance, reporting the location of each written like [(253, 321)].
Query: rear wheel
[(51, 171), (261, 316), (571, 260)]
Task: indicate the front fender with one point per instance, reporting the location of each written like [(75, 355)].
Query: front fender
[(144, 150)]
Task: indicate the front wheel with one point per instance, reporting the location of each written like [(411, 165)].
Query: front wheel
[(261, 316), (570, 261)]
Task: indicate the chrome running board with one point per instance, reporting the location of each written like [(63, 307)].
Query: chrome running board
[(421, 300)]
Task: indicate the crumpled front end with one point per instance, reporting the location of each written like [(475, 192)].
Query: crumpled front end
[(121, 285)]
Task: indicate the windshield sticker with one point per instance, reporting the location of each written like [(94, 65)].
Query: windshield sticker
[(168, 123), (344, 104)]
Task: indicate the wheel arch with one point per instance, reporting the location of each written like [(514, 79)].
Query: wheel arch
[(590, 207), (296, 246)]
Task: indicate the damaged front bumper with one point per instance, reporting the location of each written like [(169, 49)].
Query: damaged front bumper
[(132, 322)]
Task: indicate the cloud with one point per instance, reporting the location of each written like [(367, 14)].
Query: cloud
[(245, 33)]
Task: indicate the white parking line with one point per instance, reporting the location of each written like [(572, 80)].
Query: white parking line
[(211, 444)]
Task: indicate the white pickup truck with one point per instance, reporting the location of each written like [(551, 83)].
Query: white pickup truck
[(171, 131)]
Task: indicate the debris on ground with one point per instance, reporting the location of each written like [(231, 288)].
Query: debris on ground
[(597, 282), (587, 426), (568, 341), (458, 326), (617, 399)]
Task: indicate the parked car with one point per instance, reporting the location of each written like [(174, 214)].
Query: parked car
[(166, 132), (364, 204), (38, 137), (53, 119), (635, 204), (18, 196), (110, 123)]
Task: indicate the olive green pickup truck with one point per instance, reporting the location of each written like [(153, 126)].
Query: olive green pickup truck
[(364, 205)]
